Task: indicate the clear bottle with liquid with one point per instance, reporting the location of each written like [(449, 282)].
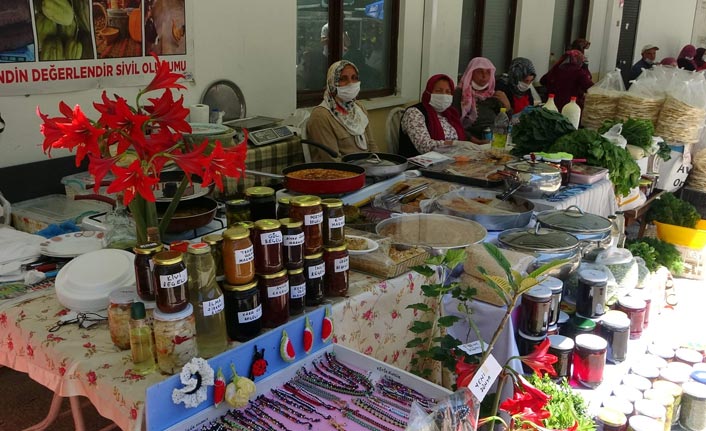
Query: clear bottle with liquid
[(141, 341), (550, 105), (207, 300), (572, 111), (501, 126)]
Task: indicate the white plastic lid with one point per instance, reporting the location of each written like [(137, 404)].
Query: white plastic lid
[(631, 302), (619, 403), (615, 319), (638, 382), (553, 283), (673, 375), (123, 296), (563, 318), (539, 292), (650, 408), (680, 367), (695, 389), (590, 341), (661, 350), (644, 423), (593, 276), (530, 337), (645, 370), (561, 342), (652, 359), (171, 317), (659, 395), (629, 393), (689, 355)]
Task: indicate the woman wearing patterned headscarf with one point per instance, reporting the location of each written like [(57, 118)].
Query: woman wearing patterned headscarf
[(477, 99), (568, 78), (685, 59), (339, 122), (516, 83)]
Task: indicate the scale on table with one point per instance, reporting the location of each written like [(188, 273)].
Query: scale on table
[(262, 130)]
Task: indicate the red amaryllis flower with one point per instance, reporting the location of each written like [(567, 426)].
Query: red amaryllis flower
[(73, 131), (133, 180), (168, 114), (540, 360), (464, 372), (525, 396), (223, 162), (163, 78)]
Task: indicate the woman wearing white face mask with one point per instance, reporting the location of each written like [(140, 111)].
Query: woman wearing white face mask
[(516, 84), (339, 122), (433, 122)]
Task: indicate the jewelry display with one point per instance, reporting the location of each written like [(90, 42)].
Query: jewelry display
[(262, 413), (311, 389), (297, 403), (306, 396), (365, 421), (286, 411), (378, 412), (402, 393)]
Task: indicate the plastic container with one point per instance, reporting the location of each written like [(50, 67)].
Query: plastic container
[(550, 105), (585, 174), (572, 111), (36, 214), (679, 235), (175, 339), (501, 125)]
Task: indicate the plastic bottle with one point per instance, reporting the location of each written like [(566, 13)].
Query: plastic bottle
[(572, 111), (207, 299), (141, 341), (550, 105), (500, 130)]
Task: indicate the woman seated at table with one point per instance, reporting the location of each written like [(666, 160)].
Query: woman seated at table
[(517, 84), (339, 122), (477, 99), (433, 122)]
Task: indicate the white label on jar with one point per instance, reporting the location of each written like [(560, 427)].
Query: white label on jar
[(171, 281), (250, 315), (245, 255), (279, 290), (336, 222), (213, 306), (270, 238), (317, 218), (340, 265), (298, 291), (292, 240), (317, 271)]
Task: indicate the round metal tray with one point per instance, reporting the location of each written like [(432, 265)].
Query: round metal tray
[(225, 96)]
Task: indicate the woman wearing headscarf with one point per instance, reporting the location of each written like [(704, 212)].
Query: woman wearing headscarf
[(568, 78), (433, 122), (477, 99), (699, 59), (516, 83), (339, 122), (685, 59)]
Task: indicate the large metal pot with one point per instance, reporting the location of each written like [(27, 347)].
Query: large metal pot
[(591, 230), (532, 179), (379, 165), (546, 245)]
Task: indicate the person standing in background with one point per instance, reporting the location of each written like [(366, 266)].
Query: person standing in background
[(649, 53), (699, 59), (685, 59), (568, 78)]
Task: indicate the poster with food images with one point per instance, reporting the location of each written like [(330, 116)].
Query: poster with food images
[(52, 46)]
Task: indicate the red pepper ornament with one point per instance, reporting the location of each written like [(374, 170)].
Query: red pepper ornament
[(286, 348), (219, 388), (308, 337), (327, 327)]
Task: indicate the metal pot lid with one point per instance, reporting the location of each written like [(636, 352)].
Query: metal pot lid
[(225, 96), (573, 219), (533, 168), (538, 239)]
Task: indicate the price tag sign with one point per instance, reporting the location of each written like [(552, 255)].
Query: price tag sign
[(484, 377), (472, 348)]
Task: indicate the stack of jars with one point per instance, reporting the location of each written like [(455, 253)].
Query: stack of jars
[(539, 315)]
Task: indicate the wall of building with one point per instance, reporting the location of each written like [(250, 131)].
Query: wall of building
[(533, 32)]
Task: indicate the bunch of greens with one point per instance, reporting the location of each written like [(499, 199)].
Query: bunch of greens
[(598, 151), (566, 406), (664, 253), (638, 133), (537, 130), (670, 209), (645, 251)]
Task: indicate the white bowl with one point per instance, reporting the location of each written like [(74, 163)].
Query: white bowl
[(372, 245)]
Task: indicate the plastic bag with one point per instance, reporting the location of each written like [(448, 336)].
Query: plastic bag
[(458, 412), (614, 136), (602, 98), (624, 268), (643, 101)]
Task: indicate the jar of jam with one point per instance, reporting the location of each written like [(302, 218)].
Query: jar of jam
[(262, 203), (623, 405), (250, 226), (648, 371), (238, 256), (337, 269), (556, 286), (591, 294), (534, 311), (608, 419), (635, 309), (627, 392), (646, 295), (675, 391), (652, 409), (307, 209), (175, 338), (662, 350), (170, 280), (215, 241), (268, 246), (314, 270), (292, 243), (638, 382), (527, 343), (297, 290), (274, 293), (143, 270), (243, 310), (282, 207), (334, 222), (237, 210), (589, 359), (119, 316), (615, 329), (563, 348)]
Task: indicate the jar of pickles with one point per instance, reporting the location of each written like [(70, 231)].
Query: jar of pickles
[(237, 210), (262, 203), (170, 281), (307, 209), (119, 316), (143, 270), (292, 243), (243, 310), (314, 270), (297, 290), (268, 247), (274, 292), (337, 269), (215, 241), (175, 339), (334, 223), (238, 256)]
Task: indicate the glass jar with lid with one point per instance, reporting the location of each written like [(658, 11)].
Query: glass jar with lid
[(170, 279), (615, 329), (274, 292), (635, 310), (334, 223), (143, 269), (589, 359), (238, 256), (563, 348), (307, 209), (292, 243), (591, 294), (556, 286), (268, 247), (534, 311), (119, 316), (282, 207), (608, 419), (337, 269), (175, 339), (215, 241), (243, 310), (262, 203), (314, 270), (237, 210), (297, 290)]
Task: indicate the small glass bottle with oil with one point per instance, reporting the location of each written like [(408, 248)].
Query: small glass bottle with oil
[(141, 341)]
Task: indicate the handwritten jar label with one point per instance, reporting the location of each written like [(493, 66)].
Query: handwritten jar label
[(245, 255), (317, 271), (277, 291), (270, 238), (336, 222), (340, 265), (310, 219), (170, 281), (292, 240), (298, 291), (213, 306), (250, 315)]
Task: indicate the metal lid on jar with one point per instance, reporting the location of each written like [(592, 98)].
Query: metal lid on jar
[(199, 248), (695, 389), (673, 375), (612, 417), (149, 248), (313, 256), (343, 247), (238, 203), (259, 192), (561, 342), (247, 224), (172, 317), (240, 287), (237, 232), (662, 397), (278, 274), (539, 239), (632, 303), (212, 239), (332, 203), (690, 356), (150, 305), (650, 408), (616, 320), (284, 200), (666, 386), (123, 296), (553, 283), (267, 224), (533, 168), (167, 258), (583, 323), (531, 337), (538, 293), (629, 393), (290, 222), (698, 376), (618, 403), (644, 423), (305, 201), (638, 382), (591, 342), (661, 350), (593, 276), (573, 219), (563, 318), (295, 271), (645, 370)]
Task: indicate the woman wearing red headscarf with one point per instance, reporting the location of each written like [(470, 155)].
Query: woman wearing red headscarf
[(433, 122), (568, 78)]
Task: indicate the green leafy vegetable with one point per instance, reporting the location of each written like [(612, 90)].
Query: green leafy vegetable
[(665, 254), (537, 130), (645, 251), (566, 406), (639, 133), (672, 210)]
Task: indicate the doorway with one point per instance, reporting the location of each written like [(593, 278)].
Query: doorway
[(626, 43)]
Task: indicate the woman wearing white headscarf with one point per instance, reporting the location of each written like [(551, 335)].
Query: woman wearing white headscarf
[(339, 122)]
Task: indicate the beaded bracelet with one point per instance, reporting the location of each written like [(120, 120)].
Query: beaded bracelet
[(332, 377), (257, 409), (389, 406), (379, 413), (313, 399), (365, 421), (298, 403), (283, 410), (301, 384), (257, 420), (322, 383)]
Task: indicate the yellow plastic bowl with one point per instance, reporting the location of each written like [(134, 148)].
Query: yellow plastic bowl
[(678, 235)]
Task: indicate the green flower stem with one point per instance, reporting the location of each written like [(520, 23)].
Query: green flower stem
[(169, 213), (500, 328)]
